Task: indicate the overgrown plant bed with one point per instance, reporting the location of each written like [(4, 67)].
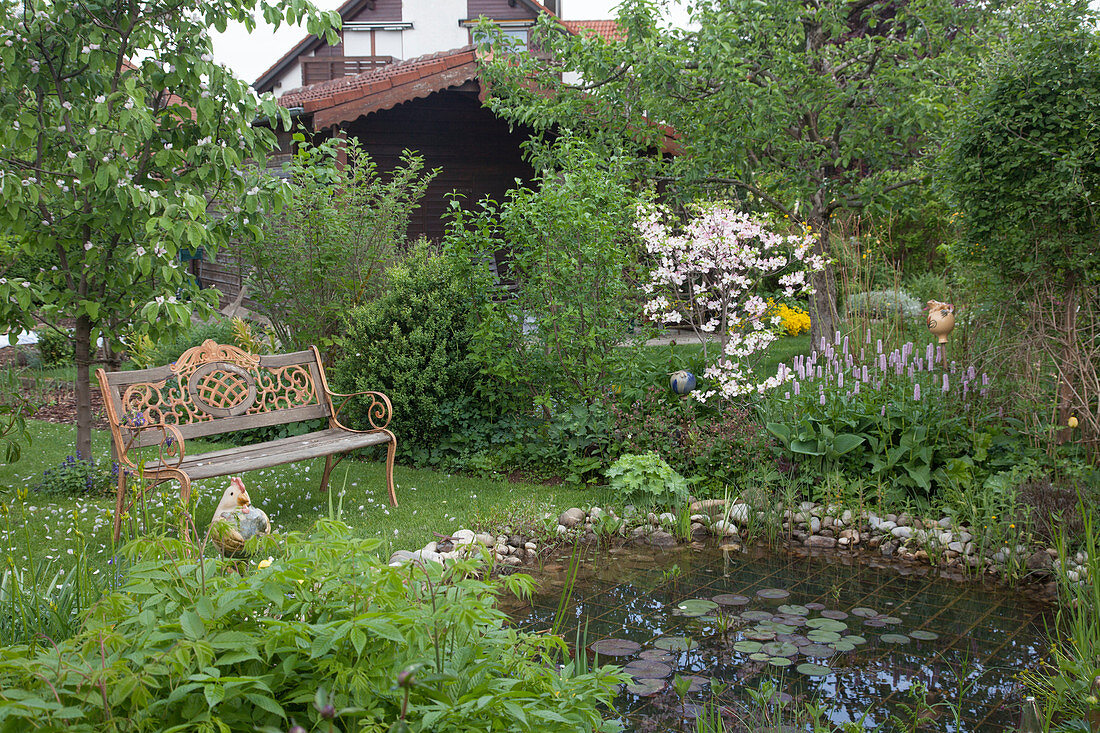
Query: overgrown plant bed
[(954, 550)]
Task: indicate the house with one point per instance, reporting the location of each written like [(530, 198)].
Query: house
[(404, 75)]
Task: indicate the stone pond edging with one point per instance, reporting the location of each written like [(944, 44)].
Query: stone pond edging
[(816, 526)]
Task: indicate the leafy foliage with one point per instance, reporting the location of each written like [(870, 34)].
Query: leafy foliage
[(1023, 161), (325, 251), (14, 411), (55, 346), (78, 475), (188, 642), (414, 342), (570, 251), (646, 480), (119, 132), (897, 417), (883, 304), (803, 109)]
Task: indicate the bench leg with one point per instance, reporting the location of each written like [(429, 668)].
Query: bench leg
[(329, 464), (391, 453)]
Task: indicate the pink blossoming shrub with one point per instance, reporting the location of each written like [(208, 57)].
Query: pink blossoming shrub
[(709, 271)]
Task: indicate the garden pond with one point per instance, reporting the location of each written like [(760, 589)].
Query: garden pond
[(864, 643)]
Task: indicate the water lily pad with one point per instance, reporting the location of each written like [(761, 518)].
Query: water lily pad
[(646, 687), (695, 607), (924, 635), (643, 669), (788, 619), (874, 623), (895, 638), (775, 627), (815, 606), (864, 612), (822, 636), (796, 639), (794, 609), (773, 594), (675, 643), (780, 649), (760, 635), (760, 657), (615, 647), (748, 647), (756, 616), (658, 655), (818, 651), (697, 682), (731, 599), (827, 624), (813, 670), (843, 645), (855, 639), (834, 614), (892, 620), (780, 662)]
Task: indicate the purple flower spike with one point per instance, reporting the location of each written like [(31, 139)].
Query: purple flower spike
[(795, 388), (946, 386), (883, 411), (822, 398), (840, 380), (868, 336), (916, 391), (878, 346)]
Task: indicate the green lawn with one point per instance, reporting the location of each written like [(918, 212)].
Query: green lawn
[(429, 501)]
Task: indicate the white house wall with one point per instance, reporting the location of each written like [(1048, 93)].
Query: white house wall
[(435, 26)]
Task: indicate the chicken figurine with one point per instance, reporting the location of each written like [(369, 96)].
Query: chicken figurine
[(236, 520)]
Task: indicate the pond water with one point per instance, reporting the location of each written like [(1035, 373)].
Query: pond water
[(858, 641)]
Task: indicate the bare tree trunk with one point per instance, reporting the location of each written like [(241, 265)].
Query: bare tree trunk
[(823, 315), (82, 348)]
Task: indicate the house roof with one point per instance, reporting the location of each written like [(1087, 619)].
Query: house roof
[(349, 9), (608, 29), (350, 97)]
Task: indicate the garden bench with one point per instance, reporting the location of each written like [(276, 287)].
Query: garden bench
[(215, 389)]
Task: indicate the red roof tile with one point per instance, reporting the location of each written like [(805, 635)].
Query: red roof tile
[(608, 29), (350, 97)]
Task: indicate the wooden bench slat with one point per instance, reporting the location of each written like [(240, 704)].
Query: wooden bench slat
[(240, 422), (266, 455)]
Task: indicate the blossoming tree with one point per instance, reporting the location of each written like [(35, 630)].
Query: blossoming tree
[(709, 273), (121, 144)]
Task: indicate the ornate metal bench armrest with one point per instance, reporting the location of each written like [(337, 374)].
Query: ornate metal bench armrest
[(378, 413), (171, 448)]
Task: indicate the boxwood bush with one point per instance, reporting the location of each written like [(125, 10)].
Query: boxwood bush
[(413, 344)]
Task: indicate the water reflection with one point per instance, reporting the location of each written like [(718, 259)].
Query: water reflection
[(961, 676)]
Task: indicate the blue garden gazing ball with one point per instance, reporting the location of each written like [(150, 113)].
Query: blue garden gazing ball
[(682, 382)]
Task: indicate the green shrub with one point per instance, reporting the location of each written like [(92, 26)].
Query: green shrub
[(167, 352), (646, 480), (412, 342), (78, 475), (325, 635), (56, 347), (884, 304)]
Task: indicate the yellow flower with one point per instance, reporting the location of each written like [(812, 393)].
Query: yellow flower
[(1072, 422), (265, 563)]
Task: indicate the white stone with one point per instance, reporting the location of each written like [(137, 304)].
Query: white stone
[(572, 517), (956, 547), (886, 526), (595, 513), (667, 518), (530, 546), (724, 528), (739, 513), (431, 547), (902, 533), (815, 525), (945, 523), (485, 539), (562, 529), (946, 538), (1072, 576), (463, 537)]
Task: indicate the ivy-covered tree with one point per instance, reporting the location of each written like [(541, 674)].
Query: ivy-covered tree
[(121, 143), (805, 108), (1023, 168)]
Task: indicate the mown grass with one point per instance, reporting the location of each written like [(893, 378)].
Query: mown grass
[(430, 502)]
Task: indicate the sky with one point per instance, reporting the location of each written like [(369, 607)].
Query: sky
[(251, 55)]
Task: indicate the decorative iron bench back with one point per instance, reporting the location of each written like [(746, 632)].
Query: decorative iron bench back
[(215, 388)]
